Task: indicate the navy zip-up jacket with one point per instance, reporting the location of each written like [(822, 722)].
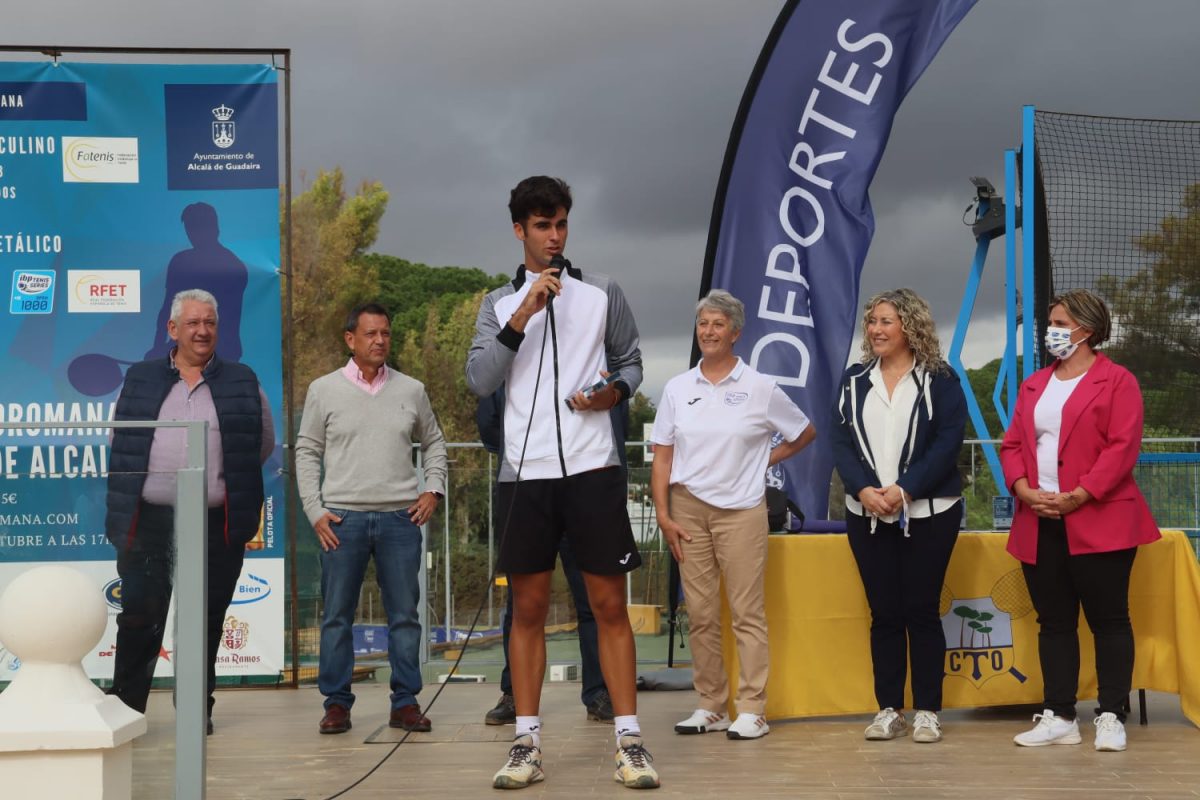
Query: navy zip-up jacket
[(929, 458)]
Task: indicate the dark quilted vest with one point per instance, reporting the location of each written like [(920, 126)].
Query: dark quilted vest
[(234, 390)]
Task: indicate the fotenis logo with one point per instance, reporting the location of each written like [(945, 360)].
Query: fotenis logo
[(979, 638)]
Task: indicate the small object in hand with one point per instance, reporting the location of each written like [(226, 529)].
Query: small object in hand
[(595, 387)]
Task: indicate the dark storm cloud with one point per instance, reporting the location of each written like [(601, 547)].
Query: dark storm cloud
[(449, 103)]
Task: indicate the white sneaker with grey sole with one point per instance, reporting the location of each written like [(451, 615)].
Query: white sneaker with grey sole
[(1110, 733), (926, 728), (1049, 730), (748, 726), (702, 721), (888, 724)]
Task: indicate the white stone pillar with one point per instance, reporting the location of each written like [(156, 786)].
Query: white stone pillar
[(60, 736)]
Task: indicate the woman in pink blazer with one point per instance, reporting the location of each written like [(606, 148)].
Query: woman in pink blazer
[(1068, 457)]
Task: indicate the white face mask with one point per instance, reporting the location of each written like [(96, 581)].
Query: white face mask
[(1058, 342)]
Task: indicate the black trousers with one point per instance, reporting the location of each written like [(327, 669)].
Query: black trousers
[(903, 578), (146, 567), (1058, 583)]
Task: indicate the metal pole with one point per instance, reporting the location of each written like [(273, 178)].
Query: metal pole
[(289, 371), (491, 541), (191, 617), (446, 562), (423, 571), (1028, 153)]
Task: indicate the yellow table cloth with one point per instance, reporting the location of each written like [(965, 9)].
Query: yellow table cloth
[(818, 625)]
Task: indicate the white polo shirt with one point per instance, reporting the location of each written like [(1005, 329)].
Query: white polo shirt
[(722, 433)]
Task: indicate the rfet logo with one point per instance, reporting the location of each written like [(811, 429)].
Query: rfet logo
[(112, 291), (979, 638), (112, 593), (235, 633)]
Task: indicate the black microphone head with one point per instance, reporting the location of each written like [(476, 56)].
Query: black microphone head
[(560, 263)]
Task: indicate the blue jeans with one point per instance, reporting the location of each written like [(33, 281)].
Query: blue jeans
[(396, 544), (589, 648)]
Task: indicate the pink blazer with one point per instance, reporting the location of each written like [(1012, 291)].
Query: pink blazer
[(1097, 449)]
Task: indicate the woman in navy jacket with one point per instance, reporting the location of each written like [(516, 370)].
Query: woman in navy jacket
[(898, 429)]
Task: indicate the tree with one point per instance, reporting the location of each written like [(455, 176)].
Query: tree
[(1158, 313), (330, 234)]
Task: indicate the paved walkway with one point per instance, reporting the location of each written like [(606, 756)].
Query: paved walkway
[(266, 747)]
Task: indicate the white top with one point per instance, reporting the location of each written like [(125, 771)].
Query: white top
[(1047, 422), (722, 433), (887, 421)]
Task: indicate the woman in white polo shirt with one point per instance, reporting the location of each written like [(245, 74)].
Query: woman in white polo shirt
[(712, 446), (899, 423)]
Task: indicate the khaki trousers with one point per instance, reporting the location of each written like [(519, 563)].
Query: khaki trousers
[(733, 544)]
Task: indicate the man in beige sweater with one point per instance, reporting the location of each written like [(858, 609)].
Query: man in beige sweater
[(360, 423)]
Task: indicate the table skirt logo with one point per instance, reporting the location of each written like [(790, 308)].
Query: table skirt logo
[(32, 292), (235, 634), (979, 638)]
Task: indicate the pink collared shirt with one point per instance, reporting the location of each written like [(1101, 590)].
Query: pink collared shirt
[(355, 376)]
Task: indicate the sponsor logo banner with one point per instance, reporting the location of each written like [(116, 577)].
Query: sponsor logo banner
[(39, 100), (100, 159), (222, 136), (112, 291), (32, 291)]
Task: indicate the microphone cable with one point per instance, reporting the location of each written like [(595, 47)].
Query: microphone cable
[(503, 537)]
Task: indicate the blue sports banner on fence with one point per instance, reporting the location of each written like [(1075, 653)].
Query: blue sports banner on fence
[(121, 185), (792, 220)]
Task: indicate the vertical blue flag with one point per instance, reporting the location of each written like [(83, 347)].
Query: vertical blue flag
[(792, 220)]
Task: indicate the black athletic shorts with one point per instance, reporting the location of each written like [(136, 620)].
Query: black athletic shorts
[(588, 508)]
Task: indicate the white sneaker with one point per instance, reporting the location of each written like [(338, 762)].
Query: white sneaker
[(748, 726), (702, 721), (1049, 730), (926, 728), (1110, 733), (888, 724), (524, 765), (633, 764)]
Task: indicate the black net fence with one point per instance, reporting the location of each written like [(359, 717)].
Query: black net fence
[(1121, 200)]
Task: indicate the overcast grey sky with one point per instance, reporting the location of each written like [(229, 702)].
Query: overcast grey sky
[(449, 104)]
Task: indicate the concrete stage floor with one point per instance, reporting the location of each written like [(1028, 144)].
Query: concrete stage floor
[(266, 747)]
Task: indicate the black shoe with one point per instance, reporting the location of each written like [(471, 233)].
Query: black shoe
[(600, 708), (210, 729), (505, 712)]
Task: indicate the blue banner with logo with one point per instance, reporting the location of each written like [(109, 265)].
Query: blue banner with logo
[(792, 219), (121, 185)]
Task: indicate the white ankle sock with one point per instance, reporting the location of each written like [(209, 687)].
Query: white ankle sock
[(627, 726), (530, 726)]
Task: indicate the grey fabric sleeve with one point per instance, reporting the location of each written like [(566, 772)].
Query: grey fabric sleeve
[(621, 340), (310, 449), (493, 348), (433, 446)]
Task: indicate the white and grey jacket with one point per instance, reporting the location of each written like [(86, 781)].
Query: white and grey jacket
[(593, 330)]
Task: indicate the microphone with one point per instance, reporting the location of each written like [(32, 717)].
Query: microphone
[(562, 265)]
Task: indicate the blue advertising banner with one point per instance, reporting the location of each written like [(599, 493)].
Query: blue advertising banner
[(121, 185), (792, 219)]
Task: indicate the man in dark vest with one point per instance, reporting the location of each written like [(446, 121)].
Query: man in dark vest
[(189, 383)]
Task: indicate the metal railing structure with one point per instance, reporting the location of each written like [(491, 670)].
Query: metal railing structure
[(191, 592), (459, 560)]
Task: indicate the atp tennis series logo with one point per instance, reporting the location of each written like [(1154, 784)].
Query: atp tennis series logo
[(979, 637)]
